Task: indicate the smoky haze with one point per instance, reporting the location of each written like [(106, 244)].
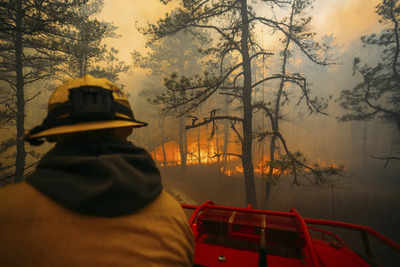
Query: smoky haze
[(367, 192)]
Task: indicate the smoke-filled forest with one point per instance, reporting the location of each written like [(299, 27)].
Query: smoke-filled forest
[(278, 104)]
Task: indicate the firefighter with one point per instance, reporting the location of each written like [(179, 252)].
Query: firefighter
[(95, 199)]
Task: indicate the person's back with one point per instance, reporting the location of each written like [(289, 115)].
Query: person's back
[(35, 231), (94, 199)]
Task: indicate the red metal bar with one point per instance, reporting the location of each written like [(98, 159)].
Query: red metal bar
[(307, 237), (246, 210), (367, 229), (190, 207), (342, 243), (209, 204), (198, 209)]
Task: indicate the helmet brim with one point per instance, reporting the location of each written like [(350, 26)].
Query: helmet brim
[(86, 126)]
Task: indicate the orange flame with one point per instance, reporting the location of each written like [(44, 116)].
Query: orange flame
[(208, 152)]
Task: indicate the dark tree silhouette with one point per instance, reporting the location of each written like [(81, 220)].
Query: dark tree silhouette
[(41, 40), (30, 34), (233, 24), (85, 49), (377, 96)]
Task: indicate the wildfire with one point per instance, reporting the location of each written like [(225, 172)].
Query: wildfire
[(207, 153), (210, 152)]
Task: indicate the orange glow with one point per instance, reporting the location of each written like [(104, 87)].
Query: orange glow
[(210, 152)]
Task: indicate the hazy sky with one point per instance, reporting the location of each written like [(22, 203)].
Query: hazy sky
[(124, 13), (347, 20)]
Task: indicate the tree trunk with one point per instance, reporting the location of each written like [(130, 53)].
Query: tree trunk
[(182, 141), (182, 129), (275, 117), (162, 125), (217, 144), (84, 46), (199, 141), (247, 161), (364, 144), (263, 144), (199, 145), (208, 145), (226, 134), (20, 159), (83, 64)]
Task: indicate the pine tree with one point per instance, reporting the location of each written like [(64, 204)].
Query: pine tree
[(30, 34), (86, 51), (177, 54), (377, 96), (233, 24)]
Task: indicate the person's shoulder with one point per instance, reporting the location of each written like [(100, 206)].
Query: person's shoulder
[(14, 197), (165, 206), (166, 202), (21, 188)]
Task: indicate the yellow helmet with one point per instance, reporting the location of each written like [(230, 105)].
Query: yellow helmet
[(85, 104)]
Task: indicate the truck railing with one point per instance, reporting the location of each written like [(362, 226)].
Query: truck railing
[(305, 226)]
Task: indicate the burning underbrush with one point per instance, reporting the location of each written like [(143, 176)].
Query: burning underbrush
[(211, 153)]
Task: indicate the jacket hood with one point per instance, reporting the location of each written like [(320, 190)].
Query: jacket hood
[(109, 179)]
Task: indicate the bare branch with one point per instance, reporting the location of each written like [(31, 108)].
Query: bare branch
[(275, 76), (230, 40), (302, 84), (277, 25), (377, 107), (210, 120), (387, 159), (261, 105), (232, 94), (237, 132), (261, 53), (217, 155), (237, 77), (32, 97)]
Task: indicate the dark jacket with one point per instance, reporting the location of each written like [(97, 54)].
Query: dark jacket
[(92, 205)]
